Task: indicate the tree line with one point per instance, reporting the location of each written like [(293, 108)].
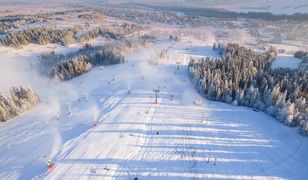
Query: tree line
[(304, 57), (300, 54), (39, 35), (244, 77), (19, 100), (43, 35), (104, 32), (14, 22), (68, 66), (115, 33), (218, 13)]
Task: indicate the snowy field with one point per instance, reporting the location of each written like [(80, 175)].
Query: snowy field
[(16, 64), (183, 136), (202, 51), (272, 6), (286, 61)]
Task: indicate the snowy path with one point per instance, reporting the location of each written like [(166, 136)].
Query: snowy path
[(134, 137)]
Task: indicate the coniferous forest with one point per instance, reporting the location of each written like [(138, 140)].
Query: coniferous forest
[(244, 77), (19, 100), (68, 66), (137, 90)]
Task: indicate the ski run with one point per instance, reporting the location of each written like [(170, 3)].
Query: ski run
[(105, 124)]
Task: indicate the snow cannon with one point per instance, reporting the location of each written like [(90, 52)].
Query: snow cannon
[(197, 102), (49, 165)]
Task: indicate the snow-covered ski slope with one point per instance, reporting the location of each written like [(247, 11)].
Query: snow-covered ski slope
[(183, 136)]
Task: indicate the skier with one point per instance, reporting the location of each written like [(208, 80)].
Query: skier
[(92, 170)]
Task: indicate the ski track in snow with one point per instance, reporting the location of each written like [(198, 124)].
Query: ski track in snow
[(195, 141)]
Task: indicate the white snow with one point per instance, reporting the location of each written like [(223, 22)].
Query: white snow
[(286, 61), (272, 6), (209, 140), (202, 51), (17, 64)]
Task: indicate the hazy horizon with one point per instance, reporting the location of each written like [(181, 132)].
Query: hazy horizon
[(276, 7)]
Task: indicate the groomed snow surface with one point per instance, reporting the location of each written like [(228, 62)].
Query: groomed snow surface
[(183, 136)]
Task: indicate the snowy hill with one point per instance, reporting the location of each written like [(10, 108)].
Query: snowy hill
[(177, 139), (183, 136), (97, 119)]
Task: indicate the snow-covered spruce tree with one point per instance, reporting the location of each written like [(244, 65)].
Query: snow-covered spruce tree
[(20, 99), (300, 54), (89, 35), (115, 33), (39, 35), (8, 23), (131, 28), (106, 57), (72, 68), (244, 77), (68, 66)]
